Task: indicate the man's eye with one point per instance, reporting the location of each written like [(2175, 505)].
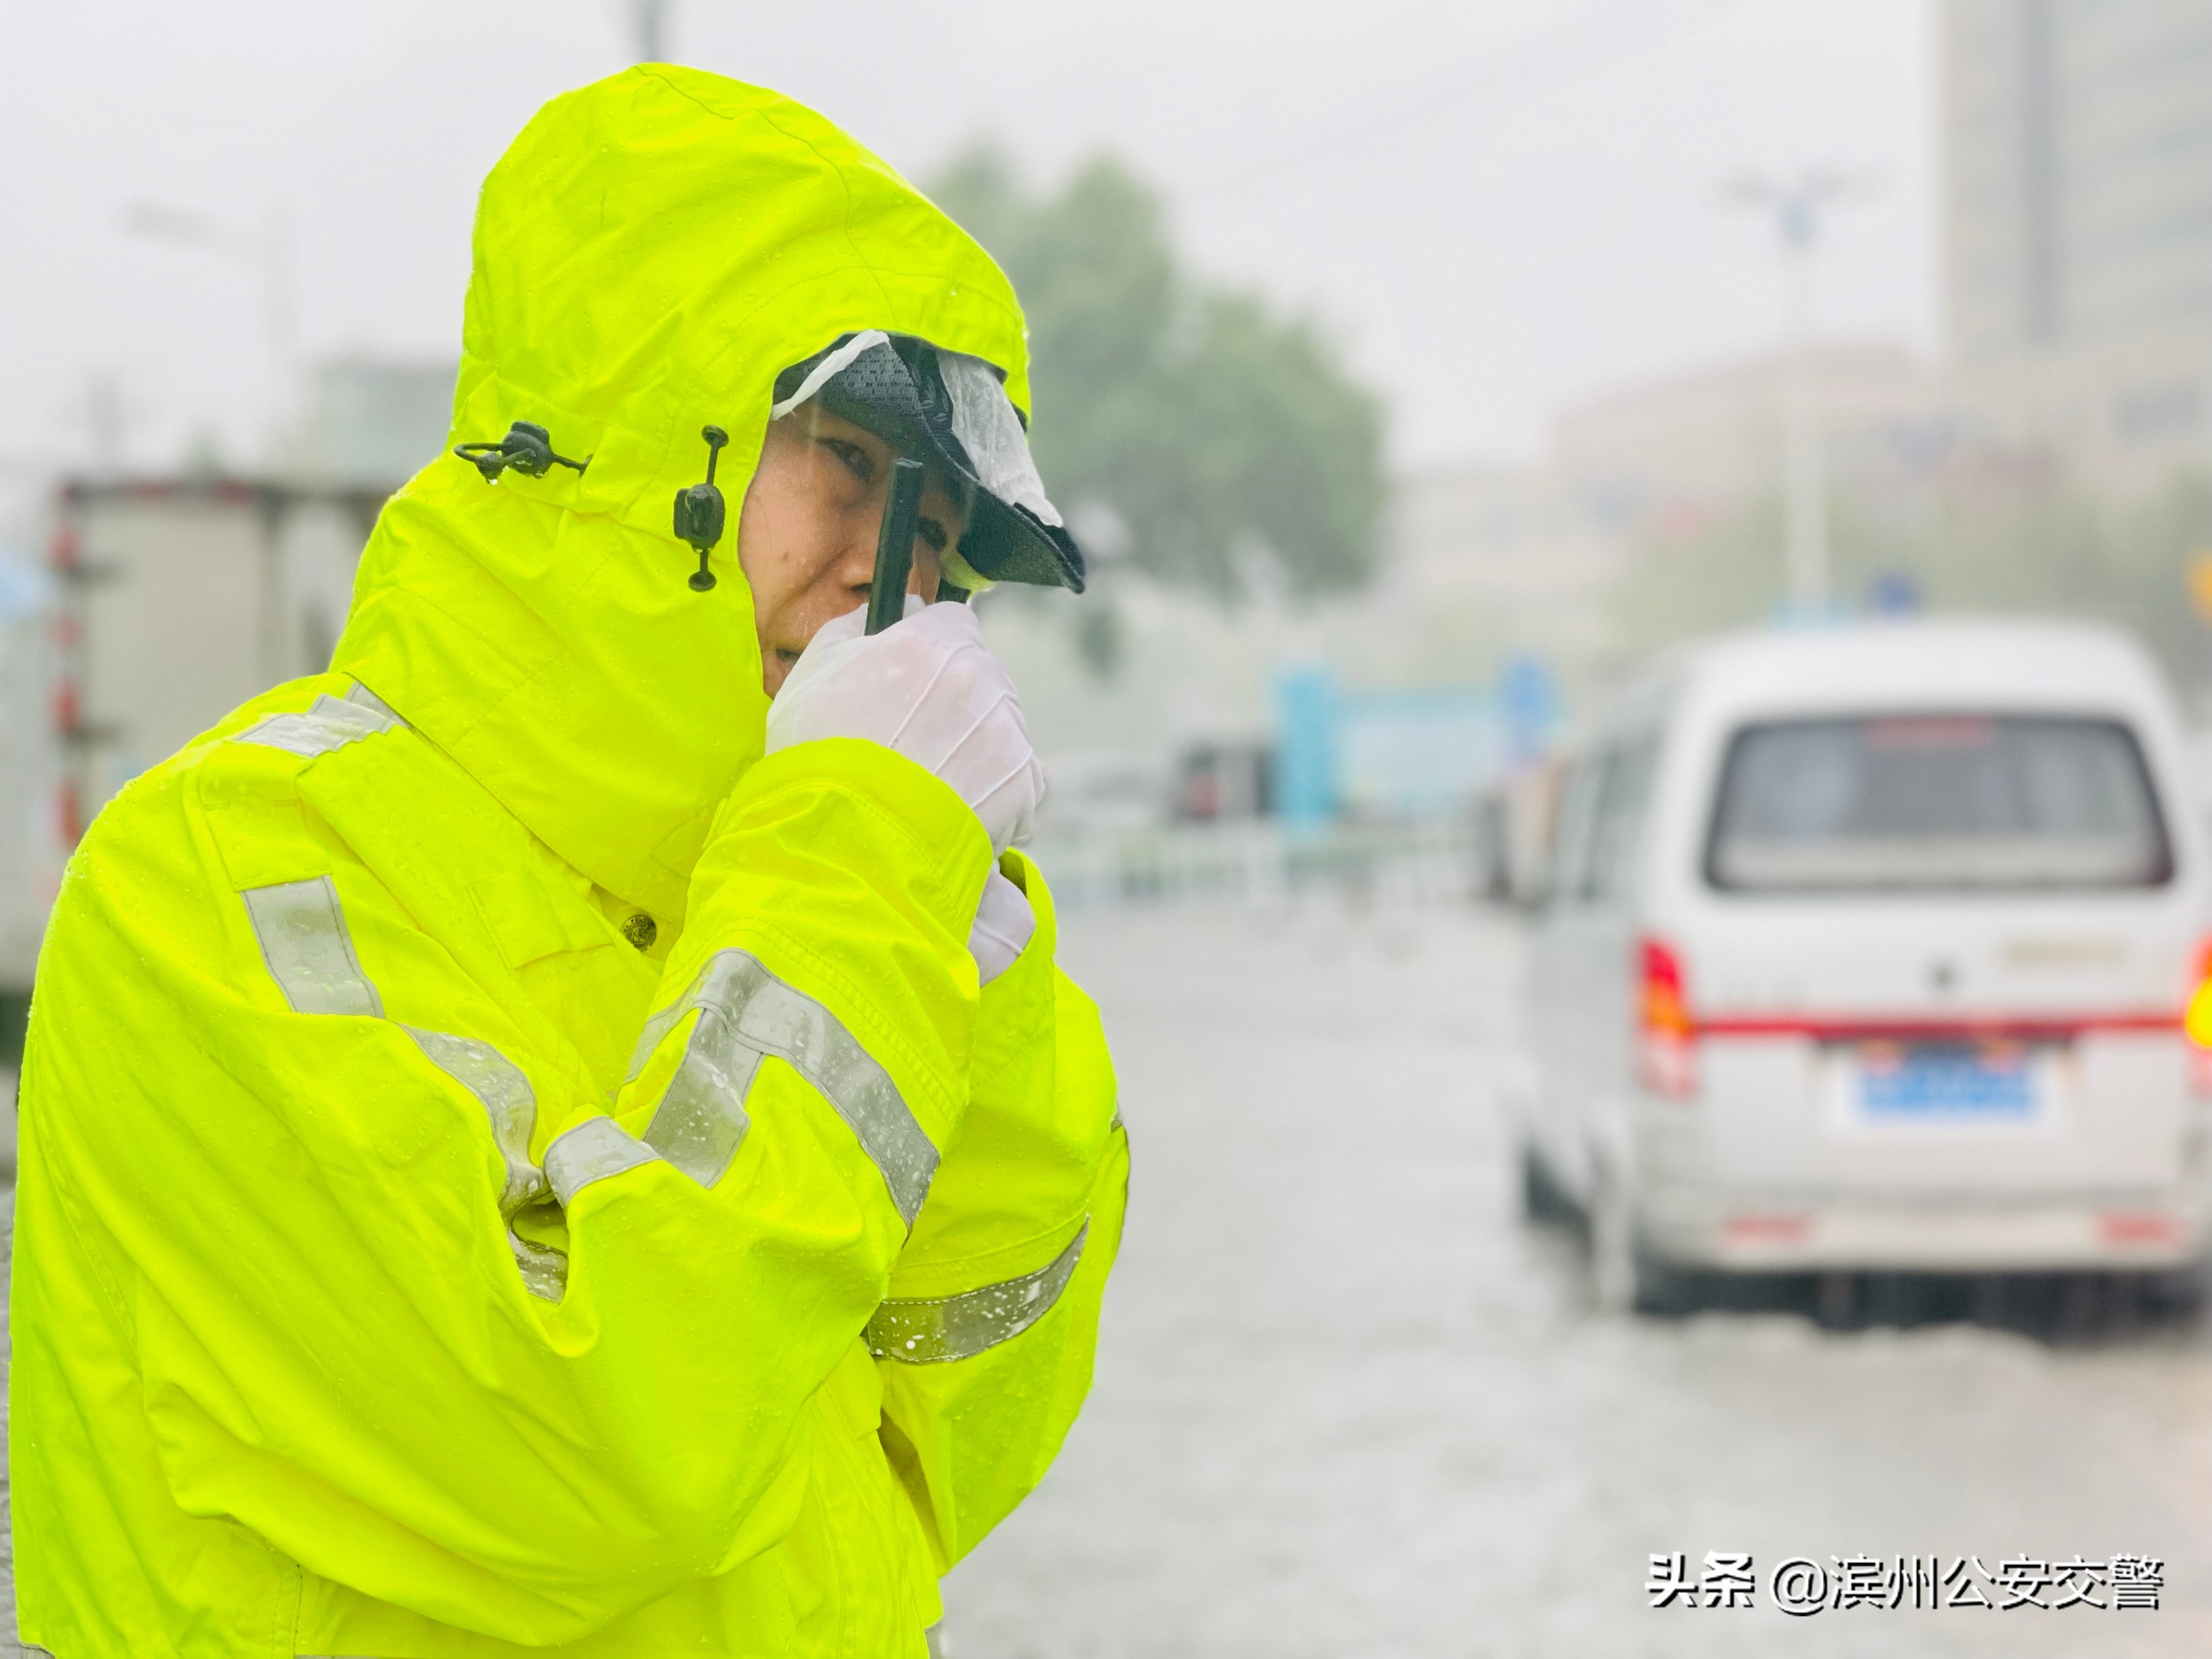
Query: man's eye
[(856, 460), (934, 533)]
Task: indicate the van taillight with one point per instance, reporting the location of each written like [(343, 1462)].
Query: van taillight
[(2196, 1022), (1666, 1037)]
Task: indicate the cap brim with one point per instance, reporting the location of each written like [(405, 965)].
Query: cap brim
[(1006, 544)]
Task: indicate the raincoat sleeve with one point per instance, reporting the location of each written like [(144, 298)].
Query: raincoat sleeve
[(986, 1339), (296, 1168)]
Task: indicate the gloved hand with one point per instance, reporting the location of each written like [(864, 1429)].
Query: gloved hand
[(928, 687)]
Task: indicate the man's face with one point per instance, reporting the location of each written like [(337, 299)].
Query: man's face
[(806, 534)]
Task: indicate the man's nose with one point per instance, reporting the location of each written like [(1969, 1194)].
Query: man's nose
[(856, 566)]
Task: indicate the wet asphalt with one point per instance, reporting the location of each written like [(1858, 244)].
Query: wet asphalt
[(1349, 1402)]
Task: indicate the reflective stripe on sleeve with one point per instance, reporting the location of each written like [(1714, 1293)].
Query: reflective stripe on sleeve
[(700, 1120), (544, 1271), (512, 1105), (328, 724), (310, 954), (593, 1150), (933, 1330), (747, 1012), (507, 1100)]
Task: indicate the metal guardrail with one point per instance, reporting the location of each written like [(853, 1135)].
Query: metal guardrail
[(1258, 861)]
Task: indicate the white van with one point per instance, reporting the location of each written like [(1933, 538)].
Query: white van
[(1869, 947)]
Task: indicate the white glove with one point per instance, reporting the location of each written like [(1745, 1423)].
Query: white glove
[(1004, 925), (928, 687)]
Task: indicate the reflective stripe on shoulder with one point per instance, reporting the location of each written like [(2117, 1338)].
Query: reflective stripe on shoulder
[(508, 1099), (303, 930), (330, 723), (310, 954), (933, 1330), (361, 697), (593, 1150), (746, 1013)]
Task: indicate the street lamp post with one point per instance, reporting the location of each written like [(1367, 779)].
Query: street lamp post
[(649, 24), (1797, 208)]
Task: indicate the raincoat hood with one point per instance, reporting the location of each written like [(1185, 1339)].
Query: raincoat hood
[(649, 253)]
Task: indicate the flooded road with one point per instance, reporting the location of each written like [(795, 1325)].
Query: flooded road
[(1349, 1404)]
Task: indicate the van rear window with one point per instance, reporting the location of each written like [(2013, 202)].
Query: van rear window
[(1936, 803)]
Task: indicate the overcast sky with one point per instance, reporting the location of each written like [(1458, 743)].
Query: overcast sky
[(1496, 206)]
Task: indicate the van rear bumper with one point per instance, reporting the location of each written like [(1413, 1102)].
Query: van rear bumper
[(1760, 1235)]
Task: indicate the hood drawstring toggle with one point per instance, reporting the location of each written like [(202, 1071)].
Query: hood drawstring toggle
[(700, 512), (527, 448)]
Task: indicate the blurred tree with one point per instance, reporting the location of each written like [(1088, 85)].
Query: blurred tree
[(1183, 425)]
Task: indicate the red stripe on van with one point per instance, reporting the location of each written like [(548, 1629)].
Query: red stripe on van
[(2036, 1028)]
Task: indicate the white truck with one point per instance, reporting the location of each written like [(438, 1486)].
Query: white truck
[(178, 599)]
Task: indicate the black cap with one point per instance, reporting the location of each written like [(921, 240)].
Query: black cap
[(896, 390)]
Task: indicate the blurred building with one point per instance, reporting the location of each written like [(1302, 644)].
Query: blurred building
[(29, 766), (1486, 559), (371, 421), (2077, 228), (1650, 456), (2077, 139), (1489, 559)]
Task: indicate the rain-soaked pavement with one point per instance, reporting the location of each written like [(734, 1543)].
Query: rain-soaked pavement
[(1349, 1405)]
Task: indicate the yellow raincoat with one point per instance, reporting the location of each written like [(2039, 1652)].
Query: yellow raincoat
[(505, 1168)]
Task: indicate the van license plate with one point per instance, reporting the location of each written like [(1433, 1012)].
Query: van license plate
[(1950, 1082)]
